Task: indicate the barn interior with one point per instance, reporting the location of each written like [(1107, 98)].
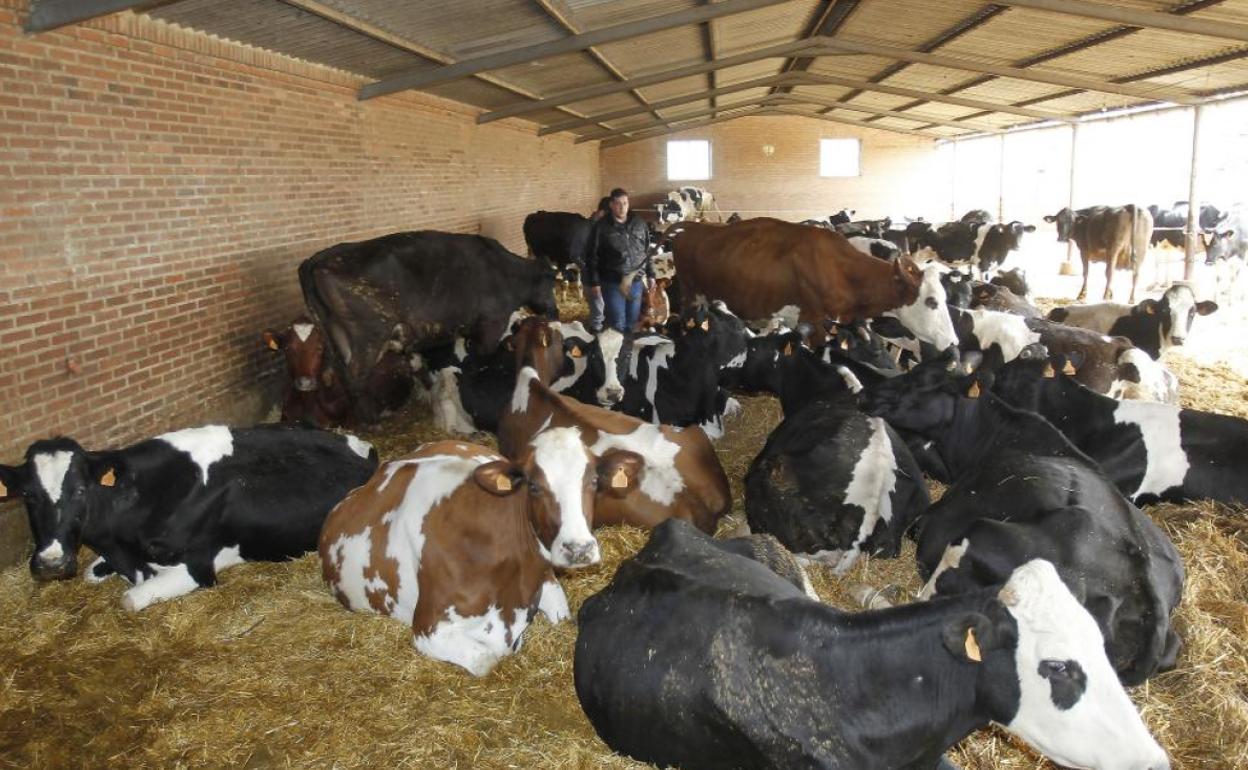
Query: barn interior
[(168, 165)]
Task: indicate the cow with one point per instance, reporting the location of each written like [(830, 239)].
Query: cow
[(865, 228), (559, 237), (842, 217), (698, 656), (921, 322), (681, 477), (983, 246), (801, 376), (312, 391), (991, 296), (459, 543), (1020, 491), (1153, 326), (1170, 224), (1015, 280), (1150, 451), (686, 204), (414, 290), (655, 307), (170, 513), (977, 217), (1117, 236), (832, 483), (1227, 252), (957, 287), (876, 247), (1108, 365), (761, 265)]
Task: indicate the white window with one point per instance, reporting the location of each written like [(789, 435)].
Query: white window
[(838, 157), (689, 160)]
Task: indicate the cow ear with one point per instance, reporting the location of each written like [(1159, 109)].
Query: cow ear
[(10, 483), (969, 637), (1029, 228), (499, 478), (271, 341), (1050, 218), (1148, 307), (619, 472), (1207, 307), (106, 468)]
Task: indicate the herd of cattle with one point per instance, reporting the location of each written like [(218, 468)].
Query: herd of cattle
[(1047, 589)]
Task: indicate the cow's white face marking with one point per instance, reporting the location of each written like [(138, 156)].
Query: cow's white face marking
[(1182, 302), (662, 481), (562, 458), (1006, 330), (448, 409), (737, 361), (170, 581), (461, 348), (1071, 705), (205, 445), (1166, 463), (871, 486), (950, 559), (927, 317), (53, 553), (519, 396), (610, 341), (303, 331), (477, 642), (50, 469), (1156, 382), (359, 446)]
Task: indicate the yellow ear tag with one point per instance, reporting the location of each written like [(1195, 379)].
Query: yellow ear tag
[(706, 325), (620, 479), (974, 391), (690, 323), (4, 491), (972, 646), (844, 344), (1069, 368), (272, 343), (109, 478), (576, 352), (1049, 372), (788, 349), (502, 483), (1149, 309)]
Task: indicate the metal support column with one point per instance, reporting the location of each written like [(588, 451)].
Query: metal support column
[(1001, 180), (1193, 198)]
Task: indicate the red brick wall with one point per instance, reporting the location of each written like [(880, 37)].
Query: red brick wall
[(900, 174), (160, 187)]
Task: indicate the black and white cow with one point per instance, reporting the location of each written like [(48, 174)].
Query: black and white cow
[(1021, 491), (977, 216), (560, 237), (922, 322), (1109, 365), (1151, 451), (992, 296), (865, 228), (832, 483), (700, 657), (676, 381), (169, 513), (842, 217), (1170, 224), (983, 246), (957, 288), (880, 248), (1153, 326), (1227, 253)]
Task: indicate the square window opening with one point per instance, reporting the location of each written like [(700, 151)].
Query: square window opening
[(689, 160)]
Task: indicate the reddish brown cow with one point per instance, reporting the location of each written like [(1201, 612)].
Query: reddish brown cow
[(313, 393), (759, 266), (655, 309), (459, 542), (681, 478)]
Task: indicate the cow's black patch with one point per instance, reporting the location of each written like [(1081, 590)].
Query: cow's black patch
[(1067, 681)]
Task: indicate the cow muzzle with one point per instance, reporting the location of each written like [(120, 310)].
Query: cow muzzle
[(62, 567), (610, 395), (580, 554), (1176, 340), (306, 384)]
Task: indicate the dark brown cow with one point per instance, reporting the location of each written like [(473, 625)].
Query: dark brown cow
[(1117, 236), (313, 392), (990, 296), (682, 477), (761, 265), (459, 542)]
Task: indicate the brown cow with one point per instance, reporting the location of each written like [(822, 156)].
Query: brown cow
[(313, 393), (682, 478), (458, 541), (759, 266), (655, 308), (1117, 236)]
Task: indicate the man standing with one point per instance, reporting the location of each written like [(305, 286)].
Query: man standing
[(593, 296), (617, 263)]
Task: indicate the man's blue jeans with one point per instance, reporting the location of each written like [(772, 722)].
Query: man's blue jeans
[(621, 312)]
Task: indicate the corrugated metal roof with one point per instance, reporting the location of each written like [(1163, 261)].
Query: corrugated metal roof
[(379, 39)]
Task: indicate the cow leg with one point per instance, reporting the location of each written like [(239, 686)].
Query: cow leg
[(552, 602), (1087, 266), (1135, 278), (169, 582), (1110, 261), (98, 571)]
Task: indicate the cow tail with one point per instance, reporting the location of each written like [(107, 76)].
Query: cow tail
[(319, 310)]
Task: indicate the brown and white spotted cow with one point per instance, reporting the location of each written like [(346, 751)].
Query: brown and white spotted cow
[(681, 477), (313, 392), (458, 542)]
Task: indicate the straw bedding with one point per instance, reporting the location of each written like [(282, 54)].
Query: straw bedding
[(267, 671)]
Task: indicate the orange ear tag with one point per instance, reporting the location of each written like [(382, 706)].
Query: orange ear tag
[(502, 483), (972, 646), (1049, 372), (109, 478), (4, 491), (1069, 368), (974, 391), (620, 479), (272, 343), (576, 352), (844, 344)]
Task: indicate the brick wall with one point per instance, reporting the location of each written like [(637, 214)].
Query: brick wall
[(901, 174), (158, 187)]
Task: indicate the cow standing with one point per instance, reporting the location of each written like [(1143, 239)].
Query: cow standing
[(1117, 236)]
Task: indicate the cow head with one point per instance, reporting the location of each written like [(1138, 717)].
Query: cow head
[(1013, 233), (1139, 378), (1065, 222), (957, 287), (560, 479), (924, 399), (857, 341), (303, 346), (1173, 314), (1044, 674), (539, 343), (541, 295), (1218, 245), (927, 317), (60, 483)]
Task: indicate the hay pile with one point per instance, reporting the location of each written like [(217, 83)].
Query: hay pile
[(266, 670)]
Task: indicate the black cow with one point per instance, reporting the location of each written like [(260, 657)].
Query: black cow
[(1153, 326), (842, 217), (1170, 224), (698, 656), (957, 288), (1117, 236), (676, 381), (413, 291), (1151, 451), (169, 513), (832, 483), (1015, 280), (560, 237), (1021, 491), (977, 216), (867, 228)]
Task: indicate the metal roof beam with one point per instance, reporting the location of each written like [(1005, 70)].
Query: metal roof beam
[(46, 15), (852, 122), (617, 141), (571, 44), (810, 99), (592, 92), (1134, 18), (811, 78), (708, 43), (834, 16), (608, 133), (605, 117), (1164, 93)]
